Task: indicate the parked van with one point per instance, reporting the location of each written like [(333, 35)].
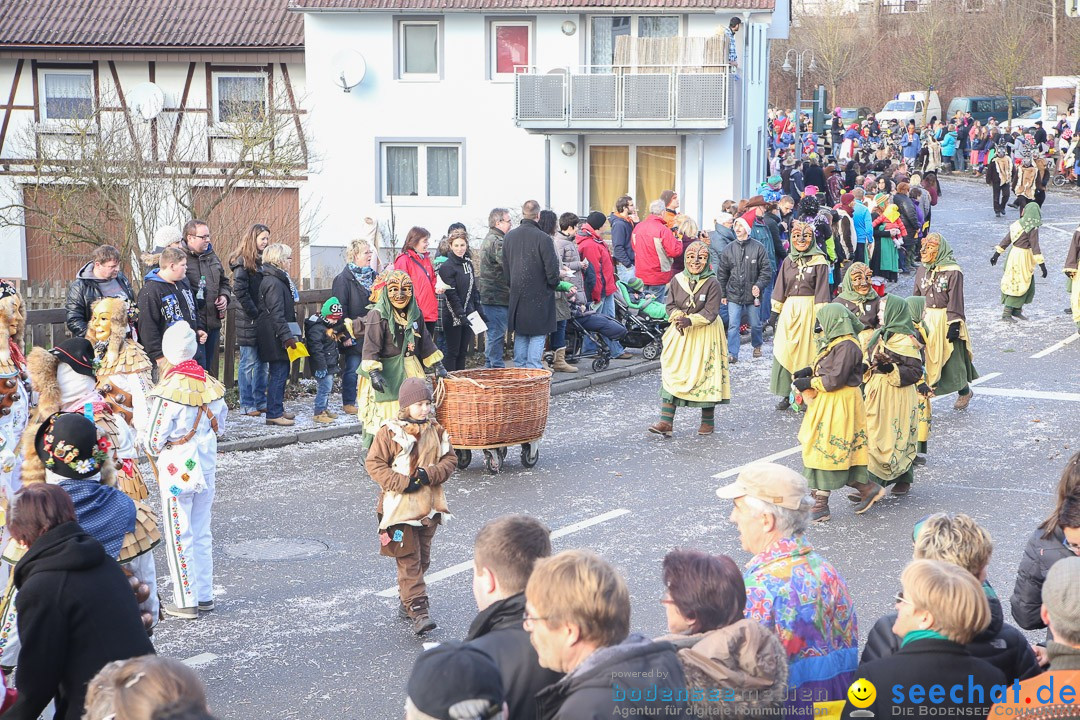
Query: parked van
[(910, 106), (990, 106)]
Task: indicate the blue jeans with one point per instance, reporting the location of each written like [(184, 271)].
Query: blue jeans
[(275, 388), (607, 309), (205, 353), (765, 311), (495, 338), (529, 351), (626, 274), (558, 338), (658, 291), (735, 314), (252, 380), (348, 378), (323, 386)]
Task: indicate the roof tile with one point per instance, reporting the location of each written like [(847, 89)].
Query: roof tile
[(453, 5)]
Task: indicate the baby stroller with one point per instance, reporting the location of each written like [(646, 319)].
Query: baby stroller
[(643, 317), (575, 340)]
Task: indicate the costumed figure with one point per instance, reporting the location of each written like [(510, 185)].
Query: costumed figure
[(857, 295), (833, 432), (999, 176), (888, 238), (1042, 177), (948, 355), (1018, 282), (802, 286), (123, 379), (396, 346), (187, 413), (694, 361), (1024, 181), (917, 307), (14, 391), (1072, 282)]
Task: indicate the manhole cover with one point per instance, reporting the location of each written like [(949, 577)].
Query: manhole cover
[(276, 549)]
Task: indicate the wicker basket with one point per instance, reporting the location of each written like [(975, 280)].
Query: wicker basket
[(498, 406)]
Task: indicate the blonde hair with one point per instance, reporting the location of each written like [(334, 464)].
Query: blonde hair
[(954, 539), (579, 587), (277, 254), (138, 688), (950, 594), (356, 249), (686, 226)]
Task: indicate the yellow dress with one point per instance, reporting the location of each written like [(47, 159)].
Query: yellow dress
[(892, 415), (694, 363), (833, 431)]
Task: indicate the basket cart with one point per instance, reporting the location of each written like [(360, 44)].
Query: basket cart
[(493, 409)]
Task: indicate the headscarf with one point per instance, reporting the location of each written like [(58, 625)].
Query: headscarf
[(944, 255), (795, 253), (381, 302), (1030, 219), (707, 272), (848, 291), (916, 306), (836, 321), (897, 321)]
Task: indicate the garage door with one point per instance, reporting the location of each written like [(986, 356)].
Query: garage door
[(54, 250), (231, 216)]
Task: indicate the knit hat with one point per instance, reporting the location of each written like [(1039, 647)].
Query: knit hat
[(332, 310), (68, 445), (847, 199), (774, 182), (811, 190), (78, 354), (166, 236), (596, 219), (179, 343), (450, 676), (413, 390), (1060, 597)]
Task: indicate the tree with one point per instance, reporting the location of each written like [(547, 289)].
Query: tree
[(840, 51), (1006, 58), (927, 54)]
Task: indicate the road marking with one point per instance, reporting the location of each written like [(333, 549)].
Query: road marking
[(985, 378), (200, 660), (1031, 394), (1055, 347), (1060, 230), (768, 458), (468, 564), (989, 489)]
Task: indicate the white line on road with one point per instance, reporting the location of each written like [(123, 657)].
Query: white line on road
[(1060, 230), (984, 378), (1031, 394), (200, 660), (768, 458), (468, 564), (1055, 347), (974, 488)]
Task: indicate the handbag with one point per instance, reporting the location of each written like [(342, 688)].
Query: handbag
[(177, 467)]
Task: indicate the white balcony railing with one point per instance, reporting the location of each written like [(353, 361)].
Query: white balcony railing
[(633, 98)]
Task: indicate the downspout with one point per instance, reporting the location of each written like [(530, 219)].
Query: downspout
[(701, 179), (547, 171)]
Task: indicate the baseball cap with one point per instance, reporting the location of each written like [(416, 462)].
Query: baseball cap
[(453, 673), (770, 482)]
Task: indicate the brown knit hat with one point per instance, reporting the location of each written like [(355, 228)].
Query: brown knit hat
[(413, 390)]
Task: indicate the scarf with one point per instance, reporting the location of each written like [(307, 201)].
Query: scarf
[(363, 275), (848, 291), (836, 322), (188, 368), (804, 256), (916, 307), (411, 317), (897, 321), (921, 635), (105, 513), (1030, 220), (944, 256), (17, 355)]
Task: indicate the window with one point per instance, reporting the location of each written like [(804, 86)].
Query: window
[(239, 97), (425, 171), (643, 171), (418, 50), (68, 94), (509, 47), (606, 30)]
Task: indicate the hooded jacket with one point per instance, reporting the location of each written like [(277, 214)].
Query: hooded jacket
[(621, 246), (743, 265), (76, 613), (162, 303), (655, 246), (276, 310), (592, 248), (83, 292), (207, 265)]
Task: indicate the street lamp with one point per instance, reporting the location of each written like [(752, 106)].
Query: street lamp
[(800, 57)]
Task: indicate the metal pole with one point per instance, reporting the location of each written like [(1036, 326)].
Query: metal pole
[(798, 106), (547, 171)]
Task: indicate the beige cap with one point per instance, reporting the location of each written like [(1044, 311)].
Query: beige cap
[(770, 482)]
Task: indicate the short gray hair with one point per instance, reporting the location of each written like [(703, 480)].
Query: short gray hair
[(277, 254), (788, 522), (496, 215), (657, 207), (859, 193)]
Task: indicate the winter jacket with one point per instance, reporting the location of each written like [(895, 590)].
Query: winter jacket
[(719, 239), (948, 145), (592, 248), (743, 265), (245, 285), (463, 295), (1039, 555), (566, 250), (206, 265), (602, 685), (494, 289), (1000, 644), (531, 271), (654, 247), (908, 216), (497, 631), (910, 145), (76, 613), (391, 462), (322, 344), (354, 299), (276, 310), (622, 248), (814, 175), (422, 273), (864, 223), (161, 304), (83, 292)]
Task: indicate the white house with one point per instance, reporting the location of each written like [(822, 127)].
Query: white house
[(444, 109)]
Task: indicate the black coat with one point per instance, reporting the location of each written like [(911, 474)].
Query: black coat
[(160, 305), (1000, 644), (498, 631), (743, 265), (207, 266), (246, 290), (276, 310), (83, 292), (532, 270), (814, 174), (928, 663), (321, 346), (590, 691), (463, 295), (908, 216), (76, 613), (354, 299), (1039, 555)]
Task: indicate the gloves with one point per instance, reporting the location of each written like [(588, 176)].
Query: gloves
[(817, 328), (773, 317), (954, 332), (1042, 266), (377, 380), (421, 476), (682, 322), (412, 487), (440, 369), (885, 368), (564, 286), (923, 389), (802, 384), (320, 374), (994, 258), (290, 343), (804, 373)]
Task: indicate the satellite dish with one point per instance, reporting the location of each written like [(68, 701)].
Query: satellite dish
[(146, 100), (349, 68)]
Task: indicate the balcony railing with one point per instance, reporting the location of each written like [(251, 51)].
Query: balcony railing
[(643, 97)]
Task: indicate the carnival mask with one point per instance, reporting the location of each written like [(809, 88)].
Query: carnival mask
[(399, 289), (860, 278), (930, 248), (696, 258), (13, 314), (802, 236), (100, 326)]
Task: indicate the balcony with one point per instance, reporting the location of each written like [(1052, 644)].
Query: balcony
[(643, 97)]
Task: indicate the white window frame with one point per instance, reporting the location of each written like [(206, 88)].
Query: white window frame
[(419, 77), (421, 199), (54, 123), (634, 22), (217, 75), (493, 55)]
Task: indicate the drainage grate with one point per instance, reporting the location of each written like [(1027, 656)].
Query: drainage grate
[(271, 549)]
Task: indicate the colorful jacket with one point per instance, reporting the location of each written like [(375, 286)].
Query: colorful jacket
[(796, 593)]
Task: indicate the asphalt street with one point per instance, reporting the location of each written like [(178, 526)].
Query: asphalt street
[(302, 631)]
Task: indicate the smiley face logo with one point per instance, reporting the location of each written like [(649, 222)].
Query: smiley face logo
[(862, 693)]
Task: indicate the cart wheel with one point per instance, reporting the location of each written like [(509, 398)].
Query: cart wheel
[(652, 350), (492, 462), (464, 457), (501, 452), (600, 363), (1060, 180), (530, 453), (548, 357)]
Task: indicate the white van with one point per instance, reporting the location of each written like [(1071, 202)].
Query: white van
[(910, 106)]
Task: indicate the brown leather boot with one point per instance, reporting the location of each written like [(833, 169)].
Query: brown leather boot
[(901, 488), (820, 511), (560, 364), (704, 429), (662, 428), (870, 493), (962, 401)]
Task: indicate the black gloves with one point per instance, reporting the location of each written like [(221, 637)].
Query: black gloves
[(805, 372), (421, 476), (954, 332), (885, 368), (773, 317), (1042, 266), (994, 258), (377, 380), (412, 487), (802, 384), (923, 389), (440, 369)]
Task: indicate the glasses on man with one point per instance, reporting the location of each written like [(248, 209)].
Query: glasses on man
[(203, 237), (529, 621)]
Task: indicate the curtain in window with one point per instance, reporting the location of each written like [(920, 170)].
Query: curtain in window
[(442, 172), (68, 96), (420, 45), (604, 32), (241, 98), (402, 177), (655, 172), (658, 26), (609, 175)]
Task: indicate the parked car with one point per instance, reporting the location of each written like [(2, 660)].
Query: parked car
[(911, 105), (990, 106), (1026, 122), (854, 114)]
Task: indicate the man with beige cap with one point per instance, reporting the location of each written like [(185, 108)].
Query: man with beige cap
[(790, 588)]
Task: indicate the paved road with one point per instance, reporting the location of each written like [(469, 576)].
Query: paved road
[(312, 638)]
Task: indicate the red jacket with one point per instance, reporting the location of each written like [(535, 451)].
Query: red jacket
[(592, 248), (423, 279), (647, 264)]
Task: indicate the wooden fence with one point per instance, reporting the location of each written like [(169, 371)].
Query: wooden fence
[(42, 295)]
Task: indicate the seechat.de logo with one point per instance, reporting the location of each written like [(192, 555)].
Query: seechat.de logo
[(862, 694)]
